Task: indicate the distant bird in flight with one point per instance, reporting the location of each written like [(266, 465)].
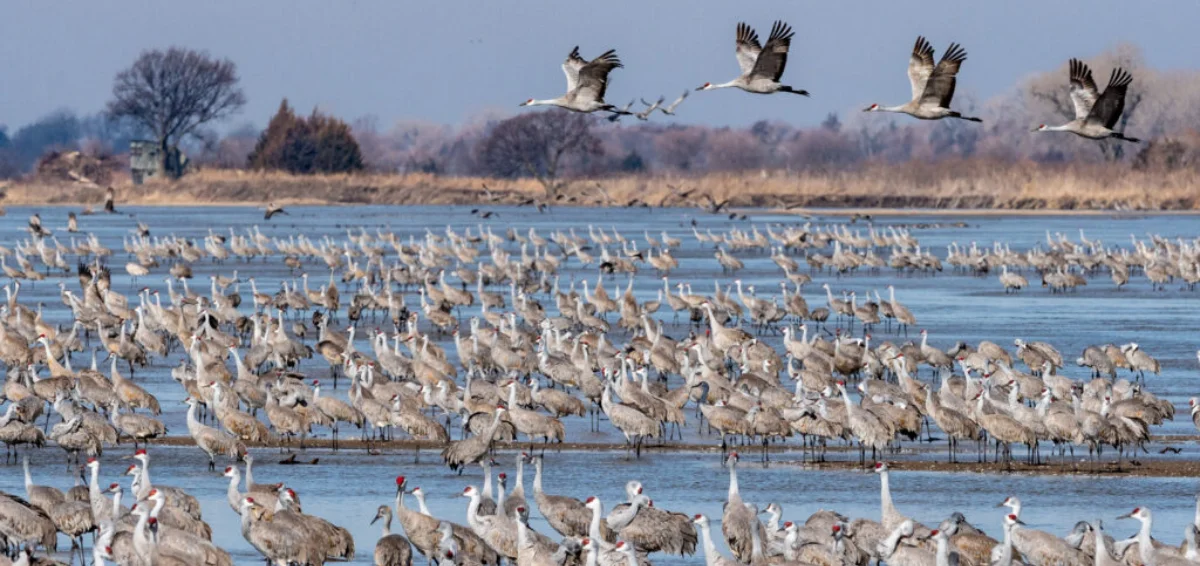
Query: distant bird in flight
[(761, 66), (1095, 114), (670, 110), (932, 87), (586, 83), (650, 108), (273, 209), (36, 228), (624, 111)]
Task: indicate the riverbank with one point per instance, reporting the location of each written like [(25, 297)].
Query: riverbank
[(966, 186)]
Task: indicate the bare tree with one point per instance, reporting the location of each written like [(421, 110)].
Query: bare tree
[(539, 145), (173, 93)]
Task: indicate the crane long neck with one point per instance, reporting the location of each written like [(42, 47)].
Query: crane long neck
[(711, 556), (1144, 543), (232, 491), (733, 483), (594, 525), (487, 481), (885, 495), (387, 524), (1101, 544), (943, 550), (889, 544)]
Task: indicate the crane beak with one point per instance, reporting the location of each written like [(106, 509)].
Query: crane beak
[(1126, 516), (373, 521)]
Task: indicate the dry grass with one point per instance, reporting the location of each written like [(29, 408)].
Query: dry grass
[(967, 184)]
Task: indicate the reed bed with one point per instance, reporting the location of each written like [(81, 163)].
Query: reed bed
[(965, 184)]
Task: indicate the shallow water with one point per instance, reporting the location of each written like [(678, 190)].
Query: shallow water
[(346, 487)]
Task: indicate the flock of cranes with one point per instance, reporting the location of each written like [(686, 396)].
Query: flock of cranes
[(165, 526), (933, 85), (467, 339)]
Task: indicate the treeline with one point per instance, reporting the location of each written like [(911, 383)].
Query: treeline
[(1163, 107)]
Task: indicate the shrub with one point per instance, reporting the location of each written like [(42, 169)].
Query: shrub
[(317, 144)]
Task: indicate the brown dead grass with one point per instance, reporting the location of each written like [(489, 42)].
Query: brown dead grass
[(968, 184)]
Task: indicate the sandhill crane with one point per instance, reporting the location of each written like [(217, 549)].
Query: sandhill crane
[(424, 532), (712, 556), (865, 426), (900, 312), (531, 423), (653, 529), (565, 514), (635, 425), (1012, 282), (1040, 547), (650, 108), (392, 549), (955, 424), (41, 496), (138, 427), (617, 115), (932, 87), (890, 517), (586, 83), (896, 554), (1140, 360), (737, 519), (185, 536), (1147, 551), (762, 66), (336, 411), (1095, 114), (211, 440), (669, 110), (22, 523), (516, 497), (470, 450), (14, 432), (1004, 429), (271, 210), (499, 531), (279, 544)]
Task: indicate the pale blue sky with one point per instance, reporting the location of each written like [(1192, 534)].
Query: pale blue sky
[(447, 60)]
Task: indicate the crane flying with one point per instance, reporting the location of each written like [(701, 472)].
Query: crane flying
[(932, 87), (586, 83), (762, 66), (1095, 113)]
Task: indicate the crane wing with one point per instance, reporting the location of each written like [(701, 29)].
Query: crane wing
[(747, 47), (773, 57), (593, 77), (920, 66), (939, 89), (1083, 89), (571, 68), (1109, 106)]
